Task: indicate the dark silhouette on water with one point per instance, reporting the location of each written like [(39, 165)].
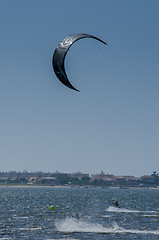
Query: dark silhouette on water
[(116, 204)]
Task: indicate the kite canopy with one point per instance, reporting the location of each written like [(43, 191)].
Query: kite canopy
[(60, 54)]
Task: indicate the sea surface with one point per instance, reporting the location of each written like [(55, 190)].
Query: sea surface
[(25, 213)]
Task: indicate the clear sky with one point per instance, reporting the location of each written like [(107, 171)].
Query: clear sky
[(112, 124)]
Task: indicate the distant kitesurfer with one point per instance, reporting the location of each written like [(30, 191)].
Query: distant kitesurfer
[(116, 204), (77, 216)]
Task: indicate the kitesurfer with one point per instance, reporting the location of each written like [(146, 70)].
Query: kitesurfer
[(116, 204), (77, 216)]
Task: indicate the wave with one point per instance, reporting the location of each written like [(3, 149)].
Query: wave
[(30, 229), (5, 238), (124, 210), (62, 239), (21, 217), (70, 225), (106, 216), (150, 215)]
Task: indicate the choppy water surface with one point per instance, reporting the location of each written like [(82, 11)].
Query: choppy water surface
[(25, 213)]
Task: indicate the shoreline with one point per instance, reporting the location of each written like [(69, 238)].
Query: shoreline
[(84, 187)]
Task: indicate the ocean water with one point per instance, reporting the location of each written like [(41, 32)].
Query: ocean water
[(25, 213)]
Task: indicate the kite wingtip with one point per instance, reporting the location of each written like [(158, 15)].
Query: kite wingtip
[(74, 89)]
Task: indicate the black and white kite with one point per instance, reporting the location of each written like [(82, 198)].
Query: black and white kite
[(60, 54)]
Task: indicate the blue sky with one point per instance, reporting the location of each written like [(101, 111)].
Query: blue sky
[(112, 124)]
